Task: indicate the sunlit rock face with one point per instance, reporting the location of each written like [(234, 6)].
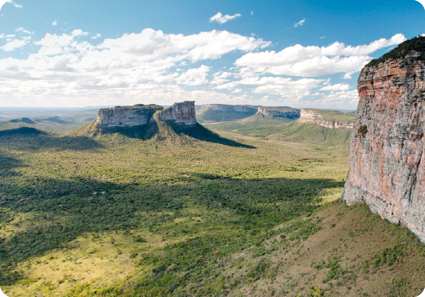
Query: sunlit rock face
[(311, 116), (126, 116), (386, 166), (139, 115), (290, 114), (181, 112)]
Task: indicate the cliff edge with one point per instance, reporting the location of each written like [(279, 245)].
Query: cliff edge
[(327, 118), (386, 168)]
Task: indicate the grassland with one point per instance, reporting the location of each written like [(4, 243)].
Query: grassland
[(178, 215)]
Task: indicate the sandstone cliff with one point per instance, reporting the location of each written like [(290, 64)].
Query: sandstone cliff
[(386, 168), (139, 115), (181, 112), (127, 116), (289, 113), (326, 118)]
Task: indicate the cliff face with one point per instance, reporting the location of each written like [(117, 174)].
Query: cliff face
[(126, 116), (139, 115), (311, 116), (290, 114), (181, 112), (387, 171)]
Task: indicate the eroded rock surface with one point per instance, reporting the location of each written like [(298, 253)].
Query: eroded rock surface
[(290, 113), (181, 112), (386, 166), (311, 116), (139, 115)]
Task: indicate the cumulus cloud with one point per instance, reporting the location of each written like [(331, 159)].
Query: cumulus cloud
[(132, 66), (15, 44), (314, 61), (55, 23), (96, 36), (3, 2), (2, 35), (336, 87), (21, 29), (300, 23), (224, 18)]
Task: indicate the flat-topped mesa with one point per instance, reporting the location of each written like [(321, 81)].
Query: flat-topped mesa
[(386, 167), (180, 112), (325, 118), (289, 113), (126, 116), (225, 107)]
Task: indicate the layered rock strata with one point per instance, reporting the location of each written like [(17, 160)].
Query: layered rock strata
[(290, 114), (181, 112), (127, 116), (311, 116), (139, 115), (386, 166)]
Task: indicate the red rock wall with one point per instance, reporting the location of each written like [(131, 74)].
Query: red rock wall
[(386, 167), (123, 117)]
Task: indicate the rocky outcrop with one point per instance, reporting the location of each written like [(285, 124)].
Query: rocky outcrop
[(139, 115), (386, 166), (283, 113), (312, 116), (181, 112), (127, 116), (225, 107)]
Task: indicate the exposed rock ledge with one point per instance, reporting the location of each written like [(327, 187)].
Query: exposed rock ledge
[(311, 116), (386, 168), (139, 115), (279, 113), (225, 107)]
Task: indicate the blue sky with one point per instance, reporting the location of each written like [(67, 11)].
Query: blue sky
[(296, 53)]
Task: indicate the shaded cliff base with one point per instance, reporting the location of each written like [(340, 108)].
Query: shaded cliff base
[(161, 131)]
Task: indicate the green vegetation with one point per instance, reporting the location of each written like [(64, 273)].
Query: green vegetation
[(192, 213), (208, 115), (415, 44)]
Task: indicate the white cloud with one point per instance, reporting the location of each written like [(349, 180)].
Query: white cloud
[(21, 29), (3, 2), (252, 13), (132, 67), (7, 36), (224, 18), (15, 44), (300, 23), (96, 36), (220, 78), (323, 37), (195, 76), (313, 61), (337, 87), (55, 23)]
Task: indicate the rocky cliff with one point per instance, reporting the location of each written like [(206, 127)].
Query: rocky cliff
[(127, 116), (139, 115), (386, 168), (326, 118), (181, 112), (282, 112)]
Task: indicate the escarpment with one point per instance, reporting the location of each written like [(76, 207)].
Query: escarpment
[(140, 115), (322, 118), (289, 113), (231, 108), (386, 166)]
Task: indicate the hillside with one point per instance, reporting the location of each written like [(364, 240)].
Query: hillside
[(127, 216), (284, 129)]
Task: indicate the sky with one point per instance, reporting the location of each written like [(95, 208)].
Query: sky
[(269, 52)]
